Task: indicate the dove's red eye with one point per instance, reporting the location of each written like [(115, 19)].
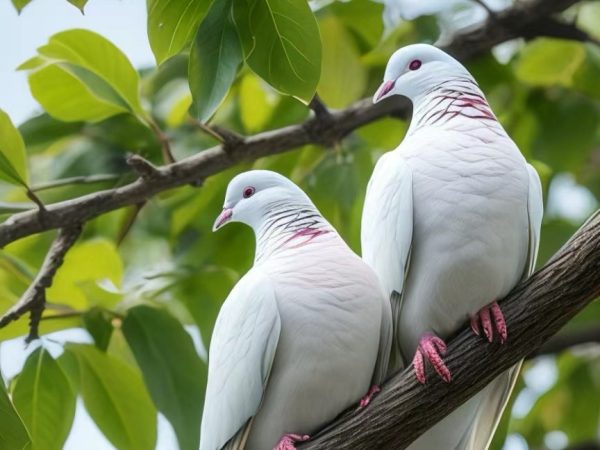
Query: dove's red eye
[(248, 191), (414, 64)]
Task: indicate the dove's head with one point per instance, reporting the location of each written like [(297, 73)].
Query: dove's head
[(415, 69), (252, 195)]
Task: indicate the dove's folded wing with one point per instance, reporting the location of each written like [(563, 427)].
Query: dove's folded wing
[(242, 350)]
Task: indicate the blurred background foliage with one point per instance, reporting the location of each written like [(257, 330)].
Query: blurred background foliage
[(146, 283)]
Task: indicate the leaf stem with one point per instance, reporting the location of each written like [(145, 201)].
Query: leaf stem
[(84, 179)]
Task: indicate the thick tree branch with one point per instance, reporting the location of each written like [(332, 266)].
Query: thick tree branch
[(535, 310), (34, 298), (565, 341), (524, 19)]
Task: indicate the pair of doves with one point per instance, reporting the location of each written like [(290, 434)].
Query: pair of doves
[(451, 223)]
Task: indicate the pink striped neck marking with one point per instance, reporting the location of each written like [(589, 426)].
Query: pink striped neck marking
[(455, 99)]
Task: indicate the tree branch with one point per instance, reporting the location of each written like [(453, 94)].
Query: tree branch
[(526, 19), (534, 310), (566, 341), (34, 298)]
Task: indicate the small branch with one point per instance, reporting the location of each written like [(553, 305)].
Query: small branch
[(35, 199), (129, 221), (34, 298), (226, 137), (318, 107), (144, 168), (85, 179), (165, 144)]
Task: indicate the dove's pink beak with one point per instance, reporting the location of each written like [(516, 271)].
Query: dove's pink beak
[(223, 218), (383, 89)]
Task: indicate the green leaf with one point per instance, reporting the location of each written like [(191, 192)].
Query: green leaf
[(547, 62), (45, 400), (13, 434), (343, 76), (13, 162), (281, 44), (214, 60), (98, 323), (115, 397), (20, 4), (87, 264), (364, 17), (76, 82), (172, 24), (256, 105), (172, 370), (79, 4)]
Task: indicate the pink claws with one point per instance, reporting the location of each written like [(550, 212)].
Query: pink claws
[(288, 441), (490, 317), (369, 396), (432, 348)]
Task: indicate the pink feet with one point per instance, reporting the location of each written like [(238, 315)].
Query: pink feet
[(369, 396), (288, 441), (490, 317), (432, 348)]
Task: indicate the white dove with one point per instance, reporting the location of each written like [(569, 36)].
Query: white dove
[(451, 223), (302, 335)]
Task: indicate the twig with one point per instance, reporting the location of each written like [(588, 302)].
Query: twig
[(226, 137), (34, 298), (318, 107), (165, 144), (129, 221), (85, 179), (534, 310), (35, 199)]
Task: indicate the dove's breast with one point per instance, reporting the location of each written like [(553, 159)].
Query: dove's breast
[(330, 328), (470, 231)]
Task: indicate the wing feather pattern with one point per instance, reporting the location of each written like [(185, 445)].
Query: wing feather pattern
[(386, 233), (242, 351)]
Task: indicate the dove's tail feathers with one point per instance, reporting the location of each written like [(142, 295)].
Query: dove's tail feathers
[(489, 413), (238, 441)]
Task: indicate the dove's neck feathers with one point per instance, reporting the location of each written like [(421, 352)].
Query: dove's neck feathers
[(289, 226), (452, 103)]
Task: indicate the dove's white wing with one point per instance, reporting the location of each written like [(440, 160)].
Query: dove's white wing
[(386, 232), (497, 393), (242, 350)]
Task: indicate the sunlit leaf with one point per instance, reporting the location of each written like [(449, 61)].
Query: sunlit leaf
[(86, 265), (172, 370), (281, 44), (13, 434), (79, 4), (343, 77), (45, 400), (214, 60), (172, 24), (20, 4), (115, 397), (548, 61), (85, 77), (256, 104), (13, 162)]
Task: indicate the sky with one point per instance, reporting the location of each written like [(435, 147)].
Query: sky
[(124, 23)]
